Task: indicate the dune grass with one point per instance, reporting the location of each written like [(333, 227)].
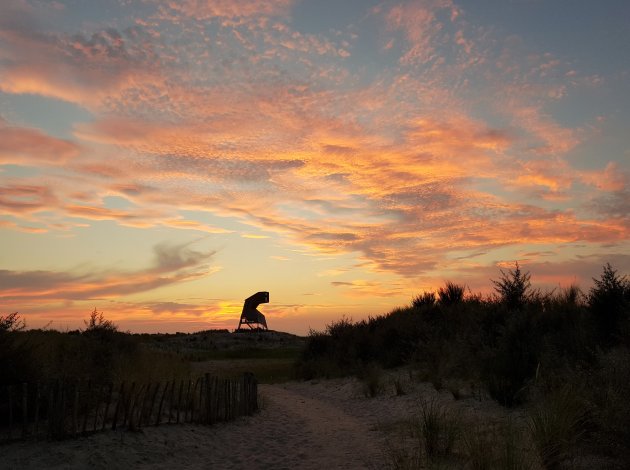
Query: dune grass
[(520, 346)]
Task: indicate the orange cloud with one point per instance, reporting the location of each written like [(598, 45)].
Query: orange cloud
[(611, 178), (277, 128)]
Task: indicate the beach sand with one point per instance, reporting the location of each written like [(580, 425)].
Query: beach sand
[(327, 424)]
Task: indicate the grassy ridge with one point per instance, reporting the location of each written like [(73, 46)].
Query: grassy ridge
[(98, 353), (101, 353)]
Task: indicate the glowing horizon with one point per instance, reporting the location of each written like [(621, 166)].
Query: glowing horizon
[(161, 161)]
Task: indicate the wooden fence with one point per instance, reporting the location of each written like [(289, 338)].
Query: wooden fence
[(64, 409)]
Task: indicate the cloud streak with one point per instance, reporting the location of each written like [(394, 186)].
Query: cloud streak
[(172, 264)]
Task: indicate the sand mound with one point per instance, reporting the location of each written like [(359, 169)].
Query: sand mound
[(305, 425)]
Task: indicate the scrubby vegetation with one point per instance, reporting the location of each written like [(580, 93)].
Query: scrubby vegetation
[(99, 353), (563, 355)]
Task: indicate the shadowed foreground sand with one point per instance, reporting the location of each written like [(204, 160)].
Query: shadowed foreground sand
[(318, 425)]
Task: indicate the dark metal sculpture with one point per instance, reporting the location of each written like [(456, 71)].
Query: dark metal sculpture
[(250, 315)]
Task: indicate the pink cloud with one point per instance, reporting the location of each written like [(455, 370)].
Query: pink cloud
[(611, 178), (75, 68), (207, 9), (19, 199), (418, 21), (24, 146)]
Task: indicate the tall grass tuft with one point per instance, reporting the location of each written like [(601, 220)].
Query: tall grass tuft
[(372, 380), (426, 299), (556, 426), (479, 442), (451, 293), (439, 427)]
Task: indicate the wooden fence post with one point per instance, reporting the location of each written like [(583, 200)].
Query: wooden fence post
[(10, 400), (97, 406), (200, 412), (119, 399), (159, 413), (153, 397), (86, 406), (75, 408), (128, 402), (24, 409), (171, 401), (107, 403), (62, 410), (179, 399), (51, 410), (36, 418)]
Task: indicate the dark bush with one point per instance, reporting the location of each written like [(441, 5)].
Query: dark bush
[(513, 362), (451, 294), (426, 299), (609, 303), (16, 351), (513, 288)]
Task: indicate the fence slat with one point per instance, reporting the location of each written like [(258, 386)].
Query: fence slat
[(75, 407), (36, 417), (24, 410), (128, 400), (107, 403), (10, 400), (179, 399), (119, 400), (171, 401), (159, 413), (86, 406)]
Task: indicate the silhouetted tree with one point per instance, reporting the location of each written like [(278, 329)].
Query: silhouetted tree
[(12, 322), (97, 325), (16, 363), (609, 302), (513, 287)]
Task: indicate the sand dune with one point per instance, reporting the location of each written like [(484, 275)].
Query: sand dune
[(306, 425)]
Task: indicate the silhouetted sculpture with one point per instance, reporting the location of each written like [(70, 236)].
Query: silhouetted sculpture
[(251, 316)]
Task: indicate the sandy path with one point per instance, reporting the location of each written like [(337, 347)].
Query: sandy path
[(301, 426)]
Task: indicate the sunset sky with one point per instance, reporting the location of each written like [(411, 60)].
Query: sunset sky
[(162, 160)]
